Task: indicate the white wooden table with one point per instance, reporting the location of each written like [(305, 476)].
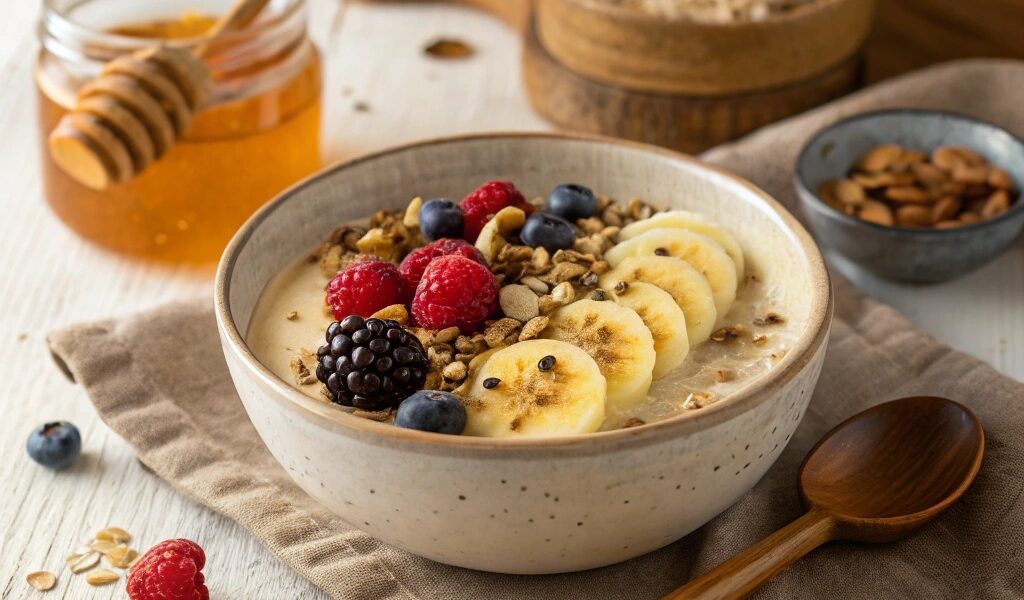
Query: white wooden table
[(50, 278)]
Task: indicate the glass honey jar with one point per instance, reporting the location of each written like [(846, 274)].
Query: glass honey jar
[(257, 134)]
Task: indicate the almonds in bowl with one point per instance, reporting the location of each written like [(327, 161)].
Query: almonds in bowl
[(891, 185), (912, 195)]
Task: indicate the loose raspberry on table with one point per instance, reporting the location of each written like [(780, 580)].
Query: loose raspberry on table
[(455, 291), (171, 570), (364, 288), (416, 262), (485, 202)]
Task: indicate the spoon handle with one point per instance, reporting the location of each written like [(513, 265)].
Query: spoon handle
[(749, 570)]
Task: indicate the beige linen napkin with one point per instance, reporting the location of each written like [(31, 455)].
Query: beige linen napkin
[(179, 411)]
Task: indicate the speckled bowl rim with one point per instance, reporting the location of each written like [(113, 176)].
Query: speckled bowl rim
[(800, 180), (798, 358)]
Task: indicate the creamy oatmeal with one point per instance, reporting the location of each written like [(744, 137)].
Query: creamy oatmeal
[(614, 317)]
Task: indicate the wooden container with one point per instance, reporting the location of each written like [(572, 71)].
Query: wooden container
[(686, 123), (620, 46), (910, 34)]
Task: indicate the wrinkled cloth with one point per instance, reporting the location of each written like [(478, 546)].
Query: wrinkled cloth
[(180, 413)]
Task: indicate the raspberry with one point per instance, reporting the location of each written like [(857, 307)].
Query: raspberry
[(455, 291), (485, 202), (416, 262), (364, 288), (169, 571)]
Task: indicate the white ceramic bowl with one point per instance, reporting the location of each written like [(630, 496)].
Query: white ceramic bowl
[(527, 506)]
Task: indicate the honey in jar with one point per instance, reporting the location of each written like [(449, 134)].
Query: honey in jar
[(257, 135)]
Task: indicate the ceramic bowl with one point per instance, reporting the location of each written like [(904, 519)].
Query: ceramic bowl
[(538, 505), (900, 253)]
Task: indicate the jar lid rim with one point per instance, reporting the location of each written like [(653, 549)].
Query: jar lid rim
[(58, 19)]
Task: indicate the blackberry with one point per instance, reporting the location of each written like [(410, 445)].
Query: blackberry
[(372, 364)]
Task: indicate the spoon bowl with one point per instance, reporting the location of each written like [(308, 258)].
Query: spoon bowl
[(894, 467), (877, 477)]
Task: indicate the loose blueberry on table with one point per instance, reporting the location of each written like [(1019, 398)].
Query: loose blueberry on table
[(55, 445)]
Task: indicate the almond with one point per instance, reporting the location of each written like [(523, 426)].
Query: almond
[(876, 212), (946, 158), (850, 193), (908, 193), (928, 173), (999, 179), (976, 174), (969, 218), (996, 204), (912, 215), (879, 158), (947, 207)]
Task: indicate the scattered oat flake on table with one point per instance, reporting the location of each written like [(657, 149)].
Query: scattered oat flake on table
[(113, 534), (84, 562), (448, 48), (41, 580), (361, 106), (102, 546), (122, 556), (101, 577)]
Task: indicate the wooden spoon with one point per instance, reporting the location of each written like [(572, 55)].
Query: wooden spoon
[(138, 107), (877, 477)]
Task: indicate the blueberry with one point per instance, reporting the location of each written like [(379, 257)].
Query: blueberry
[(440, 218), (429, 410), (572, 201), (542, 229), (55, 445)]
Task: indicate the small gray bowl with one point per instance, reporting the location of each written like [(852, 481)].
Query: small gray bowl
[(900, 253)]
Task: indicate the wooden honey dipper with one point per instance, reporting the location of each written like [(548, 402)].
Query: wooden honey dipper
[(138, 107)]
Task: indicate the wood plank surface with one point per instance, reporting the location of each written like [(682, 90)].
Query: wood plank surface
[(50, 278)]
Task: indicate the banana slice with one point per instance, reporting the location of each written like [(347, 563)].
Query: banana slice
[(681, 280), (663, 318), (520, 392), (705, 254), (493, 236), (683, 219), (616, 337)]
